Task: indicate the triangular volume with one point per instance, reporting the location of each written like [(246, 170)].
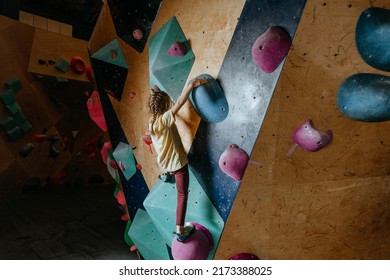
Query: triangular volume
[(146, 237), (124, 157), (155, 42), (169, 72), (110, 78), (111, 53)]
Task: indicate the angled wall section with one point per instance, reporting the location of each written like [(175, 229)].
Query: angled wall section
[(248, 91)]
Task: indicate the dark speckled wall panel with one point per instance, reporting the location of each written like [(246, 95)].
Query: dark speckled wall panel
[(248, 91), (131, 15), (135, 189)]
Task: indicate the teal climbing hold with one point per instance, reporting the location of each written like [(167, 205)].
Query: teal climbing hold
[(168, 72), (124, 157), (127, 237), (19, 117), (111, 53), (372, 35), (13, 84), (110, 69), (147, 238), (116, 190), (14, 133), (61, 80), (25, 126), (63, 65), (365, 97), (13, 108), (8, 123), (8, 96), (209, 101)]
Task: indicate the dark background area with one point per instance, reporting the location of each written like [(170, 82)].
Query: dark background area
[(61, 222), (82, 15)]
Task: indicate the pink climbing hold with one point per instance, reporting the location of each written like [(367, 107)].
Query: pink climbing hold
[(96, 111), (138, 34), (148, 141), (155, 88), (177, 49), (271, 48), (113, 164), (309, 138), (132, 95), (105, 150), (120, 196), (122, 166), (89, 73), (125, 217), (89, 147), (234, 161), (206, 232), (59, 178), (197, 246)]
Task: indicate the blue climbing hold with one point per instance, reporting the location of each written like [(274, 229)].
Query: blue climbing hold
[(209, 100), (365, 97), (373, 37)]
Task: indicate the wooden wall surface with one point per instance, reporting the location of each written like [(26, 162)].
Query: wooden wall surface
[(18, 50), (16, 41), (331, 204)]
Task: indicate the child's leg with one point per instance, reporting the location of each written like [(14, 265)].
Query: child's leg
[(182, 182)]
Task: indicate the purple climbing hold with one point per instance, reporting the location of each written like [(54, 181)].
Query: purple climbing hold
[(271, 48), (206, 232), (244, 256), (138, 34), (197, 246), (177, 49), (234, 161), (309, 138)]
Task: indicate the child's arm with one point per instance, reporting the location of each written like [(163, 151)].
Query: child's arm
[(186, 94)]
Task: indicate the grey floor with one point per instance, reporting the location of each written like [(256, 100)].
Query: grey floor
[(66, 223)]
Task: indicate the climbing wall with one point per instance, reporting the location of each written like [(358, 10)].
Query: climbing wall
[(330, 204), (128, 122), (280, 198)]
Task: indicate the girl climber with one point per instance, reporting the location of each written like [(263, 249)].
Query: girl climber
[(171, 155)]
